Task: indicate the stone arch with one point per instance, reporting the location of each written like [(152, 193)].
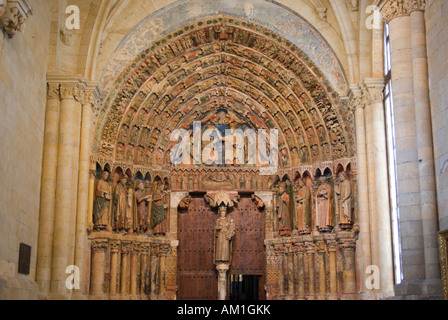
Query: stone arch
[(310, 115)]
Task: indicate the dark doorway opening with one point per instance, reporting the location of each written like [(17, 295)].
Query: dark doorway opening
[(245, 288)]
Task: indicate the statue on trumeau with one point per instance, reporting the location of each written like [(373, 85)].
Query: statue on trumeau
[(224, 234)]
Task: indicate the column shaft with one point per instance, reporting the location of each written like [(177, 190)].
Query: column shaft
[(425, 145), (48, 199), (64, 192)]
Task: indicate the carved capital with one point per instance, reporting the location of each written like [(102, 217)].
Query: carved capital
[(53, 91), (392, 9), (355, 99), (373, 91), (14, 15), (126, 247), (69, 91), (135, 248), (115, 246), (100, 245), (348, 245), (144, 248)]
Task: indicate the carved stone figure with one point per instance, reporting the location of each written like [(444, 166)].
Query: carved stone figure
[(324, 219), (224, 233), (141, 206), (283, 211), (303, 199), (101, 215), (344, 192), (122, 215), (159, 211)]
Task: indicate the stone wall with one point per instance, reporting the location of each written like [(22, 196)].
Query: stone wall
[(437, 37), (23, 61)]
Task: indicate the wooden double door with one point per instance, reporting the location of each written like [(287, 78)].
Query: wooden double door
[(198, 278)]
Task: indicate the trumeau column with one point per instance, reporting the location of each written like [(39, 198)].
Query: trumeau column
[(47, 203), (88, 106), (364, 242), (415, 157), (13, 14), (374, 100), (65, 188)]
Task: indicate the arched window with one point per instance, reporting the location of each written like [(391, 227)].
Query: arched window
[(392, 156)]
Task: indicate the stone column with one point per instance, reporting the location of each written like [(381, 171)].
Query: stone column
[(374, 98), (48, 199), (299, 272), (124, 288), (99, 248), (425, 146), (321, 252), (289, 259), (310, 268), (271, 271), (154, 271), (64, 206), (408, 168), (222, 281), (114, 252), (364, 243), (348, 248), (134, 269), (144, 252), (333, 293), (83, 183)]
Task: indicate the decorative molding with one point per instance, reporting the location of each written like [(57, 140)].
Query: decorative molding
[(13, 14)]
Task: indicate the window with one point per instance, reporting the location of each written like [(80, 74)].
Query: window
[(392, 156)]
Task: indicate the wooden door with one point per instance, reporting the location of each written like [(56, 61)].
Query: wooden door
[(198, 279), (248, 247)]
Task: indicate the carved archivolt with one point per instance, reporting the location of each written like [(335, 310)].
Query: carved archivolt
[(262, 79)]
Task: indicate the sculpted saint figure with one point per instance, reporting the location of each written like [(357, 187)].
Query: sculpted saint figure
[(141, 206), (122, 215), (224, 234), (283, 211), (303, 199), (159, 211), (344, 192), (101, 216), (324, 207)]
